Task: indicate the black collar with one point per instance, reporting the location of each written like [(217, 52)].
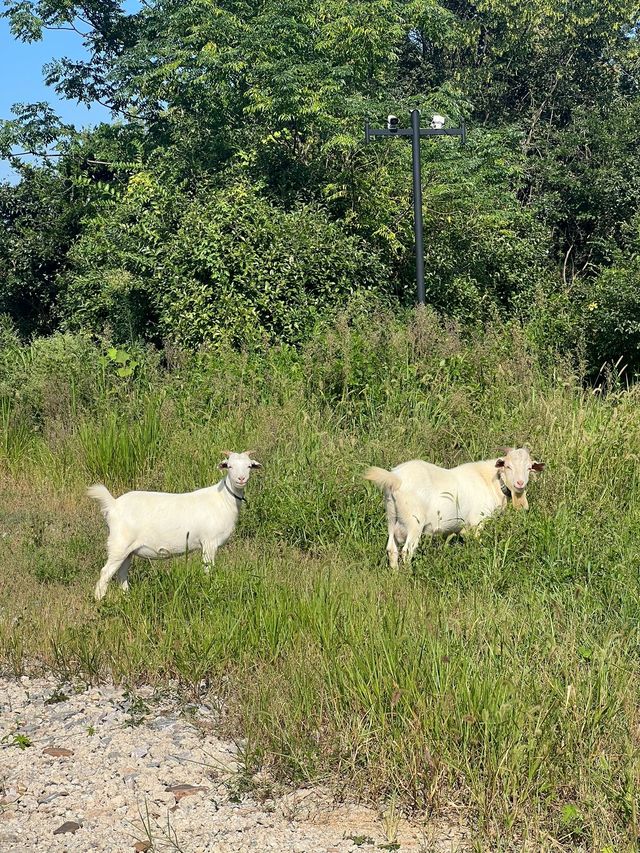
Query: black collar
[(506, 491), (237, 497)]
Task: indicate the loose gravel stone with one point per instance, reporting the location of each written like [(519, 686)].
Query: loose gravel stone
[(57, 752), (181, 791), (49, 798), (67, 826), (102, 774)]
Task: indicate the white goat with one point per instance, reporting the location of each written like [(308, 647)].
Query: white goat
[(157, 525), (420, 497)]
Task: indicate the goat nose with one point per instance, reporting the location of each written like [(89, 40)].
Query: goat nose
[(519, 484)]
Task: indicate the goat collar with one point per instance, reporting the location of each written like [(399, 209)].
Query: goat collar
[(231, 492), (506, 491)]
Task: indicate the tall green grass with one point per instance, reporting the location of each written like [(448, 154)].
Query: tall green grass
[(15, 437), (500, 676), (122, 447)]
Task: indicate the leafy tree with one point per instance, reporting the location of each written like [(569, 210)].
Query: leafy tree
[(39, 220), (587, 184), (214, 99)]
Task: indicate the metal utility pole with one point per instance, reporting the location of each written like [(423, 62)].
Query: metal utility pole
[(416, 133)]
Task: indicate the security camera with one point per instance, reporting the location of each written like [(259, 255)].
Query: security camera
[(392, 123), (437, 122)]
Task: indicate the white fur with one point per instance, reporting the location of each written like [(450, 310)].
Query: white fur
[(421, 497), (157, 525)]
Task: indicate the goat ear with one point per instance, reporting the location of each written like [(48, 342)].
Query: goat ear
[(537, 466), (223, 465), (255, 464), (500, 463)]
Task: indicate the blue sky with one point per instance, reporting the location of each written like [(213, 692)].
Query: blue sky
[(22, 79)]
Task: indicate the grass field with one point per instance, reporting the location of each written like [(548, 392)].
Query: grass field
[(501, 676)]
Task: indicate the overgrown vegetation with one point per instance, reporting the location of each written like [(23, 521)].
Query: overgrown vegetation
[(501, 675)]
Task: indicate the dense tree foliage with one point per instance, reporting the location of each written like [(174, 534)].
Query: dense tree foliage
[(233, 198)]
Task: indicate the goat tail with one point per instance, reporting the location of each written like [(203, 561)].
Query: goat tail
[(104, 497), (383, 479)]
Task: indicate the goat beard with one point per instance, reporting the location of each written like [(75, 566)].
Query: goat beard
[(519, 501)]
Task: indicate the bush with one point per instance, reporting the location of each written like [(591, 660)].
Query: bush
[(47, 379), (226, 265), (244, 269), (114, 301), (611, 317)]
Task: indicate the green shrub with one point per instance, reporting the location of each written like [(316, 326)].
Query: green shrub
[(248, 271), (611, 317), (226, 265), (48, 378), (111, 301)]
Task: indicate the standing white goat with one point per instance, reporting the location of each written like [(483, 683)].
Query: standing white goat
[(157, 525), (421, 497)]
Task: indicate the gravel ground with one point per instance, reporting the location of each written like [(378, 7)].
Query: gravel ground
[(99, 769)]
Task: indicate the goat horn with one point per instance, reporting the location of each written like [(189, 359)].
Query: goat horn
[(249, 452), (227, 452)]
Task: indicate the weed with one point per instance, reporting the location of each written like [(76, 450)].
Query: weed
[(137, 710), (572, 822), (239, 786), (155, 837), (56, 696), (390, 822), (122, 361), (13, 645), (52, 569), (20, 740)]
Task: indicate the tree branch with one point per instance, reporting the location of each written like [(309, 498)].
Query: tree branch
[(32, 154), (70, 29), (115, 109)]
